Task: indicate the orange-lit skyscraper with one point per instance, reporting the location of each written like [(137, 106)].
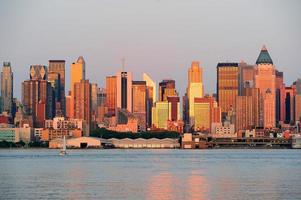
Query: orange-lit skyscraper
[(111, 92), (244, 113), (82, 101), (227, 85), (167, 89), (265, 81), (298, 101), (246, 77), (139, 103), (195, 73), (124, 90), (194, 89), (78, 72), (151, 95)]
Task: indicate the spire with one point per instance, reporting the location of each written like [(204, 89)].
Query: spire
[(80, 60), (264, 56)]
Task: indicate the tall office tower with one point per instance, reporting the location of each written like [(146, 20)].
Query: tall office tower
[(37, 97), (111, 90), (54, 80), (206, 112), (254, 93), (195, 88), (244, 113), (174, 108), (167, 89), (227, 86), (38, 72), (58, 67), (160, 114), (139, 103), (269, 109), (185, 109), (101, 104), (94, 91), (280, 96), (7, 87), (78, 73), (68, 105), (246, 77), (82, 102), (289, 105), (265, 80), (195, 73), (298, 100), (151, 98), (124, 90)]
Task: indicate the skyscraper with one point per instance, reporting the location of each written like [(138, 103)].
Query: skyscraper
[(246, 76), (37, 95), (167, 89), (151, 95), (289, 105), (139, 103), (38, 72), (227, 86), (7, 87), (111, 91), (82, 102), (298, 100), (194, 89), (244, 113), (78, 73), (207, 112), (54, 80), (102, 109), (124, 90), (160, 114), (58, 67), (94, 91), (195, 73), (280, 96), (174, 108), (265, 81)]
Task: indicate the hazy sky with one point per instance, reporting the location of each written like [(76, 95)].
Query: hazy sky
[(160, 37)]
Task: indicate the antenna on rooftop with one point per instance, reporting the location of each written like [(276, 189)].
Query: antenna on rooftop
[(122, 64)]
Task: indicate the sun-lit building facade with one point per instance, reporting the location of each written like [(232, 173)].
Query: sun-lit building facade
[(151, 95), (111, 94), (265, 81), (227, 85), (78, 73)]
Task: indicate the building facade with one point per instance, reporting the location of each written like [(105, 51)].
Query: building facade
[(57, 69), (124, 90), (227, 85), (7, 87)]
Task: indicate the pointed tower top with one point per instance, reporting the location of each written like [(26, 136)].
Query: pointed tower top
[(264, 56), (80, 60)]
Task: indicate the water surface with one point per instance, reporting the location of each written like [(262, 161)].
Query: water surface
[(150, 174)]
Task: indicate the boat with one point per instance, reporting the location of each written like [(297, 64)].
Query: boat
[(64, 149)]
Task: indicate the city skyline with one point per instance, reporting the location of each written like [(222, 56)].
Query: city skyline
[(103, 43)]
